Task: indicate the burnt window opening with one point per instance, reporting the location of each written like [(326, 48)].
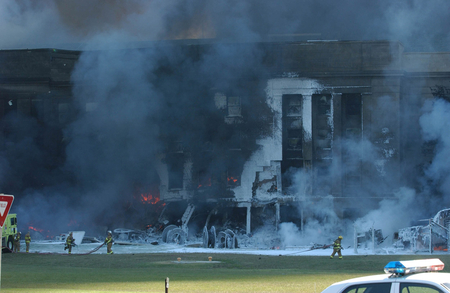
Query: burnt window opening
[(352, 116), (290, 214), (292, 127), (204, 179), (292, 137), (176, 170), (293, 104), (233, 178), (220, 100), (352, 130), (234, 106), (322, 136), (322, 126)]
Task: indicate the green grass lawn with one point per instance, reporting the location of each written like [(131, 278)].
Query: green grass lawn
[(147, 272)]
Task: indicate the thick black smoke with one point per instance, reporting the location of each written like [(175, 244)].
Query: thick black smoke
[(419, 25), (142, 99)]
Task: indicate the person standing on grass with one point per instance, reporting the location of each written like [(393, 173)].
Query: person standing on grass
[(27, 241), (17, 242), (337, 247), (69, 242), (109, 241)]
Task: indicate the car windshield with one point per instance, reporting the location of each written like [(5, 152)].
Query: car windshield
[(447, 286)]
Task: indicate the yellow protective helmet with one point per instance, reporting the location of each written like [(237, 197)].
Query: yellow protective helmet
[(340, 237)]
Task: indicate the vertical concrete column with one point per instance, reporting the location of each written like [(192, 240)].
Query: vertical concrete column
[(277, 215), (249, 216), (337, 145), (307, 126), (307, 137)]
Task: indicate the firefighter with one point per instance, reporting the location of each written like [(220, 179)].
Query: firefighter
[(27, 241), (109, 242), (337, 247), (69, 242), (17, 242)]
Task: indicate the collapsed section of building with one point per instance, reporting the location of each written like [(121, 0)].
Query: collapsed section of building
[(305, 126)]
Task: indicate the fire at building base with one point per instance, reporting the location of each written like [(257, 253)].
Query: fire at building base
[(306, 138)]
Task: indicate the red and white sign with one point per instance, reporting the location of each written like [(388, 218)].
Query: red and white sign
[(5, 204)]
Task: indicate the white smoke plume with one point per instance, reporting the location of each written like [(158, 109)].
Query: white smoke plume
[(435, 125)]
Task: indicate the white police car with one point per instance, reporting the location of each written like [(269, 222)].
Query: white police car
[(414, 276)]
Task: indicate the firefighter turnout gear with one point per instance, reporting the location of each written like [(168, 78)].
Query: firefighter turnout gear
[(337, 247), (70, 242), (27, 241), (17, 242), (109, 242)]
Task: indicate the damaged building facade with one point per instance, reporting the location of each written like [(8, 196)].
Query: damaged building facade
[(337, 122)]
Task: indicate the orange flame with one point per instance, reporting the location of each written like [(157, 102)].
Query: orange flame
[(149, 199), (232, 179), (208, 183), (35, 229)]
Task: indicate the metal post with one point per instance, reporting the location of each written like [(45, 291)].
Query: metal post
[(167, 285), (249, 219), (448, 238), (1, 251), (355, 240)]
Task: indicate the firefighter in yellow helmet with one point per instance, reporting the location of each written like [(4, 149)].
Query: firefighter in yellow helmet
[(27, 241), (17, 242), (337, 247), (109, 242), (69, 242)]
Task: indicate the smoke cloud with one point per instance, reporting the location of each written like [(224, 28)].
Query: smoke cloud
[(138, 104), (419, 25)]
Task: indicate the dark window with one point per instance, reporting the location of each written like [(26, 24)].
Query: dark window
[(176, 170), (233, 177), (352, 132), (369, 288), (234, 106), (292, 127), (204, 179), (322, 136), (418, 288)]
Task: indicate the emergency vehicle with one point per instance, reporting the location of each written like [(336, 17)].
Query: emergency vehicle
[(400, 277), (9, 231)]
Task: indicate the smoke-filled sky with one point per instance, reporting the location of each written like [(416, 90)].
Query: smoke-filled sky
[(111, 150), (419, 25)]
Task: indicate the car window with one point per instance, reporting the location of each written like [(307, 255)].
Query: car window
[(369, 288), (418, 288)]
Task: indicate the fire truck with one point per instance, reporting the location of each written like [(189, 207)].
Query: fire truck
[(9, 231)]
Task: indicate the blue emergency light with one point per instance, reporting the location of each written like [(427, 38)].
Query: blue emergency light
[(414, 266)]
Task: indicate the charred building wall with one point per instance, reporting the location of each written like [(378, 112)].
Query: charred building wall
[(314, 121)]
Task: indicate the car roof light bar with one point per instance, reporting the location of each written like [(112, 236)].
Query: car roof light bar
[(414, 266)]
